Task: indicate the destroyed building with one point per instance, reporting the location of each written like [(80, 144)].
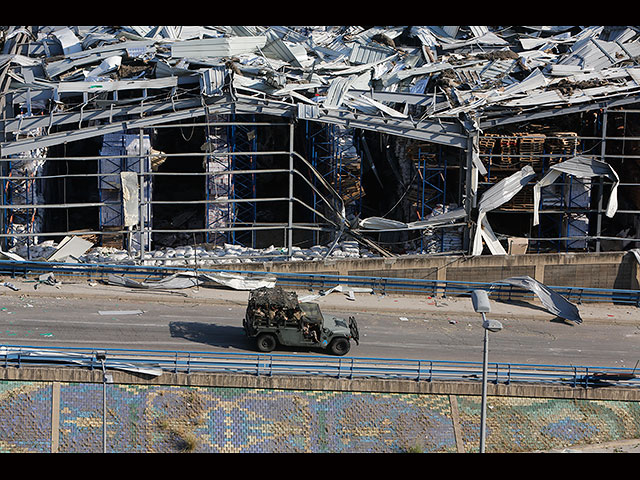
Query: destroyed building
[(303, 142)]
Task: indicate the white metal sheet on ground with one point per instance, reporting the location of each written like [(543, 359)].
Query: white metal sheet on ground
[(553, 301)]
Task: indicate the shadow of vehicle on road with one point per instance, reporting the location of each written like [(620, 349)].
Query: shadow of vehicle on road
[(223, 336)]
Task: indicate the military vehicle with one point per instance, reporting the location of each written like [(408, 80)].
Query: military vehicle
[(276, 317)]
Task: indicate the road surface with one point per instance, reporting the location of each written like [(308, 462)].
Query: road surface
[(208, 320)]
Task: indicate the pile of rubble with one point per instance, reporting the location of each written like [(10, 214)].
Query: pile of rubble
[(190, 256)]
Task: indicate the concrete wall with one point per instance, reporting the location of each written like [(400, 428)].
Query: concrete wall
[(60, 410), (590, 270)]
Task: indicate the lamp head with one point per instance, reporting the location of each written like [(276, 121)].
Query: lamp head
[(480, 301), (492, 325)]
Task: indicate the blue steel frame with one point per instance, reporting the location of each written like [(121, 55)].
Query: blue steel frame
[(244, 185)]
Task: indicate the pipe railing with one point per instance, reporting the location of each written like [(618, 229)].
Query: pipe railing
[(155, 362), (379, 285)]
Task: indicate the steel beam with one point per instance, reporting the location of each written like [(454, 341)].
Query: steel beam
[(32, 143)]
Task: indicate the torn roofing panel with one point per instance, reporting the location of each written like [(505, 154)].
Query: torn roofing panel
[(497, 195), (552, 300), (68, 41), (580, 167), (217, 47)]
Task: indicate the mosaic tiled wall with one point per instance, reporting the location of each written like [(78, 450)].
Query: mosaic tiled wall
[(210, 419)]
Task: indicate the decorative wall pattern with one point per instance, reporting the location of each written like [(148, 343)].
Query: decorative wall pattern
[(152, 418)]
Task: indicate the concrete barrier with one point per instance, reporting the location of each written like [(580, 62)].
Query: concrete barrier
[(590, 270)]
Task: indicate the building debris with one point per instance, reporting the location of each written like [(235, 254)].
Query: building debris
[(553, 301), (497, 195), (183, 280), (70, 248), (47, 357), (347, 290), (11, 256), (47, 279), (10, 285)]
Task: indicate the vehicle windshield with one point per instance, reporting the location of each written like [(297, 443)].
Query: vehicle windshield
[(311, 312)]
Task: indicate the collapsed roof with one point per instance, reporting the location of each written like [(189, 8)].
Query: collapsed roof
[(430, 83)]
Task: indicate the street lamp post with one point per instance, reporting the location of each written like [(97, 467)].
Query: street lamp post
[(481, 305)]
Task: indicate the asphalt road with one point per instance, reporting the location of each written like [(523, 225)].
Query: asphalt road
[(403, 330)]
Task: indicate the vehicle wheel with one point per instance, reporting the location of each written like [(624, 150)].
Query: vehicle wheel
[(340, 346), (266, 342)]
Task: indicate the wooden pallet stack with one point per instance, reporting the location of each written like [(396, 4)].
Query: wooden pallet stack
[(562, 145), (487, 143), (531, 149), (508, 151)]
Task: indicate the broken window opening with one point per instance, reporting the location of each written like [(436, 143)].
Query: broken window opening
[(74, 181), (406, 180), (181, 191)]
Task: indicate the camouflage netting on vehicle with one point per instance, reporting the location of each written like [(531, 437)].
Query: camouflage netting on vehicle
[(269, 306), (273, 297)]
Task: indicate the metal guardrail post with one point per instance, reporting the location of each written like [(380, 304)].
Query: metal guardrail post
[(270, 365), (586, 378)]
